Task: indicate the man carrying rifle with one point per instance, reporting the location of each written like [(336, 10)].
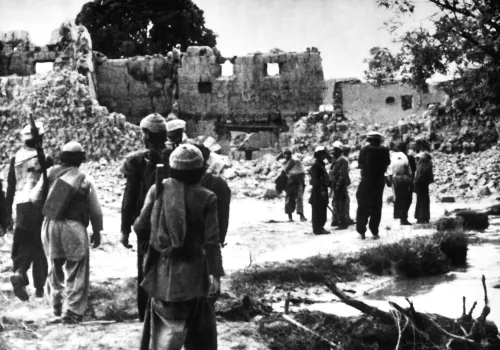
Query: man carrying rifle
[(139, 170), (26, 168)]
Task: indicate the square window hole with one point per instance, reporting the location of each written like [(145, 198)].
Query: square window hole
[(406, 102), (271, 69), (205, 87)]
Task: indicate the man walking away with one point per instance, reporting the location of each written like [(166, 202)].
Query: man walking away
[(319, 192), (70, 205), (424, 176), (185, 234), (139, 170), (295, 185), (339, 182), (402, 182), (373, 161), (27, 249), (219, 186)]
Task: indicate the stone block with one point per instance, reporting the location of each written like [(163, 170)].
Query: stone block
[(447, 199)]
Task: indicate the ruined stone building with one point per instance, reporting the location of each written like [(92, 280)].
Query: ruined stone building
[(250, 100), (385, 104)]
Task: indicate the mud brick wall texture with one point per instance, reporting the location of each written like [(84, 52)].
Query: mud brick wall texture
[(19, 56), (134, 87), (248, 95), (369, 104)]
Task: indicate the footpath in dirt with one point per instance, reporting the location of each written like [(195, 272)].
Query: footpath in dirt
[(258, 233)]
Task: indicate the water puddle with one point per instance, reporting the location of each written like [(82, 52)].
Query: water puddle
[(441, 294)]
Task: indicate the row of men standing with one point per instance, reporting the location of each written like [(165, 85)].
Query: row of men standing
[(63, 240), (379, 167)]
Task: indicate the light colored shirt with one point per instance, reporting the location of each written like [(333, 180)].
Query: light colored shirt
[(400, 165)]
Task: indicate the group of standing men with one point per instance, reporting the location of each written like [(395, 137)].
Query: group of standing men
[(177, 207), (379, 167), (180, 212), (51, 206)]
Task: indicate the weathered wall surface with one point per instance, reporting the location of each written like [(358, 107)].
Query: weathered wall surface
[(70, 47), (134, 87), (369, 104), (250, 92), (19, 56), (211, 103)]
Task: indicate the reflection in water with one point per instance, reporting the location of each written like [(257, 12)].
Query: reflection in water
[(440, 294)]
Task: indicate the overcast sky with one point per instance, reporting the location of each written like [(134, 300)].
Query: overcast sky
[(343, 30)]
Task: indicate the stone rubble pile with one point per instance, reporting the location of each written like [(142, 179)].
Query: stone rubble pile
[(445, 132), (464, 167), (108, 180), (323, 128), (467, 175), (61, 101)]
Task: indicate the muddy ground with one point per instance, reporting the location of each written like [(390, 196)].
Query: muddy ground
[(258, 233)]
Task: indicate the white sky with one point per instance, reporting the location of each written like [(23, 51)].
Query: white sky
[(342, 30)]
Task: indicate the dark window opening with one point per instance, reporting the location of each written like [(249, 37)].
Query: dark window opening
[(271, 69), (406, 102), (390, 100), (205, 87)]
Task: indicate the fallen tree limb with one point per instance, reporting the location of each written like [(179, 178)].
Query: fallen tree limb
[(383, 316), (441, 330), (301, 326)]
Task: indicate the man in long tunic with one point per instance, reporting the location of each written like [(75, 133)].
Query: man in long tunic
[(185, 234), (340, 180), (402, 182), (27, 249), (64, 232), (424, 176), (139, 170), (220, 188), (319, 191), (295, 185), (373, 161)]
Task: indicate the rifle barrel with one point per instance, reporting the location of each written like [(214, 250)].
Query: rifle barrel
[(159, 178)]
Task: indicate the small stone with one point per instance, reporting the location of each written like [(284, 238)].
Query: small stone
[(447, 199), (229, 174), (484, 191), (271, 193)]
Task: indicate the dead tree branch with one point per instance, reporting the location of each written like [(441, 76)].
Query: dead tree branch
[(383, 316), (301, 326)]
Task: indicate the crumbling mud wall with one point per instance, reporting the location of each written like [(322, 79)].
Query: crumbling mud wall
[(386, 104), (135, 87), (70, 47), (250, 91), (209, 101), (19, 56)]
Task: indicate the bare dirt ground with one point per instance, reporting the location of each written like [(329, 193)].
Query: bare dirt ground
[(258, 233)]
